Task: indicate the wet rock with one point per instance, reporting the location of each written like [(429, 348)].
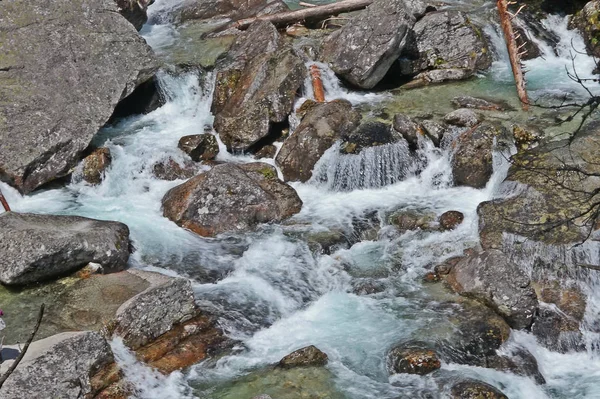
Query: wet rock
[(363, 51), (40, 247), (493, 279), (255, 92), (445, 267), (463, 117), (526, 137), (520, 362), (472, 389), (367, 286), (478, 103), (42, 137), (267, 151), (451, 219), (262, 397), (406, 220), (413, 358), (436, 76), (409, 129), (95, 165), (200, 147), (327, 242), (305, 357), (586, 21), (434, 131), (319, 129), (171, 170), (60, 366), (230, 9), (369, 134), (554, 6), (525, 43), (446, 41), (365, 227), (134, 11), (472, 161), (231, 197)]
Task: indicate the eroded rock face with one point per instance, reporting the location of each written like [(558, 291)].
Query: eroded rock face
[(56, 97), (493, 279), (304, 357), (447, 41), (60, 366), (363, 51), (472, 163), (231, 197), (39, 247), (321, 127)]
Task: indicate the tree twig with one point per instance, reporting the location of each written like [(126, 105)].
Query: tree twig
[(4, 202)]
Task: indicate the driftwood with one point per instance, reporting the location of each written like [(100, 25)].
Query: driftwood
[(283, 19), (14, 365), (513, 49), (4, 202), (317, 83)]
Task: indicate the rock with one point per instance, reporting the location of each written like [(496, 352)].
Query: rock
[(166, 302), (305, 357), (478, 103), (472, 163), (363, 51), (413, 358), (42, 137), (327, 242), (60, 366), (134, 11), (463, 117), (493, 279), (95, 165), (267, 151), (319, 129), (472, 389), (369, 134), (231, 197), (367, 286), (406, 220), (451, 219), (520, 362), (39, 247), (526, 137), (444, 268), (255, 92), (446, 41), (171, 170), (438, 76), (146, 98), (525, 43), (230, 9), (409, 129), (434, 131), (200, 147), (586, 21), (262, 397)]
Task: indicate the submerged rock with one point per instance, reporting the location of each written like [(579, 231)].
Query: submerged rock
[(305, 357), (451, 219), (478, 103), (95, 165), (472, 389), (34, 248), (200, 147), (463, 117), (320, 128), (364, 49), (231, 197), (369, 134), (413, 358), (472, 162), (171, 170), (410, 219), (55, 97)]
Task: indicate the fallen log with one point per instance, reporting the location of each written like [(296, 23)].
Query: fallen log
[(4, 202), (317, 83), (513, 50), (283, 19)]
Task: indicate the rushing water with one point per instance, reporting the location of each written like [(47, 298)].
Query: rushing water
[(272, 291)]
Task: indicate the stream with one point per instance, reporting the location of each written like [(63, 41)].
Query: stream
[(273, 293)]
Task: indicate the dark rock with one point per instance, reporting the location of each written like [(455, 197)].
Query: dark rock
[(554, 6), (409, 129), (320, 128), (413, 358), (525, 43), (144, 99), (39, 247), (472, 389), (171, 170), (305, 357), (369, 134), (95, 165), (451, 219), (463, 117), (231, 197), (478, 103), (134, 11), (520, 362), (406, 220), (200, 147), (42, 137), (230, 9), (363, 51), (267, 151), (493, 279), (367, 286), (446, 41), (472, 163)]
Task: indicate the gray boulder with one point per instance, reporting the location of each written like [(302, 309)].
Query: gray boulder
[(493, 279), (39, 247), (320, 128), (55, 96), (60, 366), (408, 128), (587, 23), (151, 313), (369, 134), (448, 46), (363, 51), (472, 162), (257, 87), (463, 117), (231, 197), (229, 9)]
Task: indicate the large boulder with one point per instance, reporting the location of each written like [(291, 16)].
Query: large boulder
[(448, 47), (255, 91), (369, 134), (231, 197), (60, 366), (363, 51), (587, 22), (320, 128), (56, 96), (230, 9), (493, 279), (39, 247)]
